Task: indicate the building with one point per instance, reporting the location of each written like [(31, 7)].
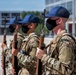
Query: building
[(7, 15), (70, 5)]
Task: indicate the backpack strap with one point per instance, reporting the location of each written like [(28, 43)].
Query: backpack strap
[(31, 36), (24, 50), (66, 34), (69, 36)]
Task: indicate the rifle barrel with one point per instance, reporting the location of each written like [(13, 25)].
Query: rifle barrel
[(39, 63), (14, 58), (3, 53)]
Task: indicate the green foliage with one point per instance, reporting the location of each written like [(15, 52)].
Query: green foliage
[(32, 12), (39, 28)]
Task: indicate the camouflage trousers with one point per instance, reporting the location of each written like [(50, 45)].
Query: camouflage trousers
[(23, 71), (9, 69)]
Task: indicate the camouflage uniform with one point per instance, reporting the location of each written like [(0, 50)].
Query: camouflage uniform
[(8, 55), (26, 58), (60, 58)]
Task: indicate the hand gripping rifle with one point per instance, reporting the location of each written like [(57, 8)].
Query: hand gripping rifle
[(14, 58), (3, 53), (41, 45)]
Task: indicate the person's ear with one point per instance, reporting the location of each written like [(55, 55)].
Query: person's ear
[(60, 21), (31, 25), (17, 27)]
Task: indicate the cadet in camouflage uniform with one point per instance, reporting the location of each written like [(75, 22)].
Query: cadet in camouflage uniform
[(59, 60), (27, 56), (7, 50)]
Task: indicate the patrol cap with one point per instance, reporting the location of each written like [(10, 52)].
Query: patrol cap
[(14, 20), (58, 11), (30, 18)]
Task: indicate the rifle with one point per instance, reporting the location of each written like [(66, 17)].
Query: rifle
[(14, 58), (41, 45), (3, 53)]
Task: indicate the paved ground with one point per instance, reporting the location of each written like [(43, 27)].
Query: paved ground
[(8, 41), (47, 41)]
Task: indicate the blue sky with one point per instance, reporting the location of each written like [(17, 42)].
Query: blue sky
[(22, 5)]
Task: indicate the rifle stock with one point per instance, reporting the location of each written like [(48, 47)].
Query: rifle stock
[(3, 62), (39, 63), (14, 58), (3, 53)]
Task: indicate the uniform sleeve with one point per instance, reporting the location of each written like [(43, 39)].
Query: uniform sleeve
[(4, 51), (33, 44), (65, 57), (19, 43), (8, 56), (5, 48), (23, 58)]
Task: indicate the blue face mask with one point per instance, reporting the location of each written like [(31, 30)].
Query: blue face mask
[(51, 24)]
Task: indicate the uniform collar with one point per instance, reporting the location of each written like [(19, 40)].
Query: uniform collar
[(62, 32), (59, 35), (20, 35), (33, 33), (26, 37)]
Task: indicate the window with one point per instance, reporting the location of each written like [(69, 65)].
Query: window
[(14, 14), (5, 15), (69, 7), (57, 0), (63, 5), (3, 21), (47, 2), (47, 9), (51, 1)]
